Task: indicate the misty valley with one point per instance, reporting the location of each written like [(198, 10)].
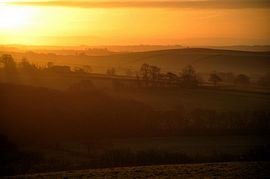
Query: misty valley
[(134, 89), (59, 117)]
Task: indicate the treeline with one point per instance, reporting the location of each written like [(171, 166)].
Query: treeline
[(147, 76), (24, 66), (151, 75), (189, 77), (43, 115)]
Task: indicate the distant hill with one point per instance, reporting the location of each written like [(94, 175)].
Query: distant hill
[(203, 59), (129, 48), (255, 48)]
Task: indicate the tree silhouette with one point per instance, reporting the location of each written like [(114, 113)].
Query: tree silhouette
[(189, 77), (242, 79), (27, 67), (145, 71), (8, 62), (214, 78), (154, 73), (150, 73)]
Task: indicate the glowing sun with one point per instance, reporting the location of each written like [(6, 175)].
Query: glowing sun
[(12, 17)]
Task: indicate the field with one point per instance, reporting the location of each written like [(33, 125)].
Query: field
[(148, 151), (204, 60), (220, 100), (207, 170), (194, 145), (73, 121), (134, 89)]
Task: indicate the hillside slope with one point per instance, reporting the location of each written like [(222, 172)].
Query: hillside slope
[(208, 170), (204, 60)]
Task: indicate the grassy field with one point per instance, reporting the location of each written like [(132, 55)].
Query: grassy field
[(162, 98), (221, 100), (193, 145), (207, 170), (187, 144), (83, 154), (204, 60)]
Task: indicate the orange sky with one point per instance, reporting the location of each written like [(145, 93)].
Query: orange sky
[(199, 22)]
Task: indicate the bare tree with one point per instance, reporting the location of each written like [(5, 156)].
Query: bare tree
[(214, 78), (27, 67), (150, 73), (145, 71), (189, 77), (8, 62), (154, 73)]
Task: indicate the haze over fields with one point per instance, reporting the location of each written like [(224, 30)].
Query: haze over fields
[(204, 60), (90, 22), (143, 88)]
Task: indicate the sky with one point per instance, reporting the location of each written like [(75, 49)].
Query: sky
[(133, 22)]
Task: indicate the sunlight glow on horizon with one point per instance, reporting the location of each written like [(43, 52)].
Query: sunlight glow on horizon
[(12, 17), (62, 25)]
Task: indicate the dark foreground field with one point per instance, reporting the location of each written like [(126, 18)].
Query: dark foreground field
[(206, 170)]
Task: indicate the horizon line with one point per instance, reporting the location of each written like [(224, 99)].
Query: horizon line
[(196, 4)]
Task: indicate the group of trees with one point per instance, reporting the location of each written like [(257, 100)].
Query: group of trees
[(8, 63), (152, 75), (150, 72), (240, 79), (214, 78), (24, 66), (188, 77)]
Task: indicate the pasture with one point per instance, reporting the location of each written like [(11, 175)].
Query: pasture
[(207, 170), (175, 99), (146, 151)]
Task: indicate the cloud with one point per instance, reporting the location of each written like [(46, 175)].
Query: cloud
[(201, 4)]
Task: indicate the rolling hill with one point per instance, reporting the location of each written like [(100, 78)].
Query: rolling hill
[(204, 60)]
